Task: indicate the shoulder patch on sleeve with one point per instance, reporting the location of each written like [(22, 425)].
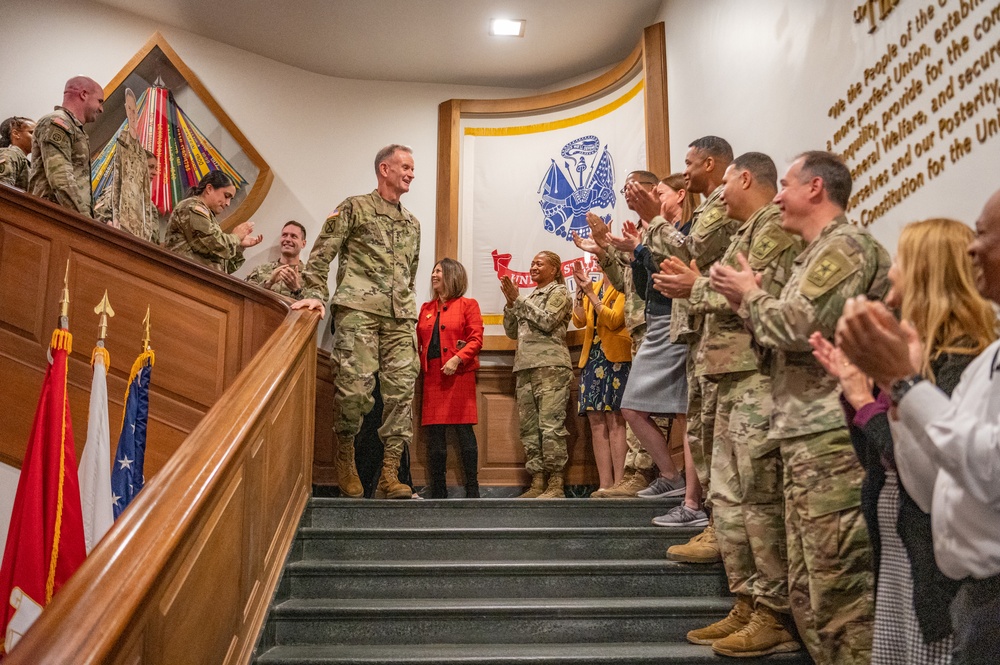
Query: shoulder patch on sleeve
[(826, 272), (202, 210), (768, 245), (335, 213), (59, 122)]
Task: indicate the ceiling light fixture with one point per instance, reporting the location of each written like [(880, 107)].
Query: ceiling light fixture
[(502, 27)]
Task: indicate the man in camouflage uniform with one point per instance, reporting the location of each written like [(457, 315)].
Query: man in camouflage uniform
[(745, 486), (829, 557), (711, 229), (284, 275), (375, 312), (617, 268), (126, 202), (60, 152)]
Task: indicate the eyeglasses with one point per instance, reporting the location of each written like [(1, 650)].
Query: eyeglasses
[(647, 185)]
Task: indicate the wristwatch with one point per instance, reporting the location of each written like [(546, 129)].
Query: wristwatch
[(898, 389)]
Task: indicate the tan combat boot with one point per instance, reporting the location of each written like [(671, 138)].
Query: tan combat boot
[(703, 548), (389, 486), (347, 471), (537, 487), (554, 490), (764, 634), (637, 481), (737, 619), (603, 493)]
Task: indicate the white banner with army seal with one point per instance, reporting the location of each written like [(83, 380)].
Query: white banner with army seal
[(527, 187)]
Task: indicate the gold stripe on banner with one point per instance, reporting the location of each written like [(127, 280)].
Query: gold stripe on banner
[(493, 319), (556, 124)]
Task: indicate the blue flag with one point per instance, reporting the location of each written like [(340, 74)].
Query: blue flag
[(126, 474)]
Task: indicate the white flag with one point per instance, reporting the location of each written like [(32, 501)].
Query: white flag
[(95, 465)]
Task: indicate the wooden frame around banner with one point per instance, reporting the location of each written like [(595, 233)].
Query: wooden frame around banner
[(265, 177), (649, 55)]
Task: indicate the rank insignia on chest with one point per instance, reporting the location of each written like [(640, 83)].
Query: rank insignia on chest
[(824, 272)]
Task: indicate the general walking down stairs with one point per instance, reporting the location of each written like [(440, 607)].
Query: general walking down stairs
[(491, 582)]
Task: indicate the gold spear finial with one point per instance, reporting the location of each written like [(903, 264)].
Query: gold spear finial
[(64, 301), (145, 334), (104, 309)]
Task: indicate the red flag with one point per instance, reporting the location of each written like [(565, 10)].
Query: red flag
[(45, 544)]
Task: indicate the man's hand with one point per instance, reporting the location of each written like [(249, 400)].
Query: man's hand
[(290, 276), (628, 240), (643, 201), (874, 340), (310, 303), (451, 366), (676, 280), (734, 284), (509, 289)]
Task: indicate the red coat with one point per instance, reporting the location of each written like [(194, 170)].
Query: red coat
[(460, 320), (450, 400)]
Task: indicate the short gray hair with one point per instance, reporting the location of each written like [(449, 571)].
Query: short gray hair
[(385, 153)]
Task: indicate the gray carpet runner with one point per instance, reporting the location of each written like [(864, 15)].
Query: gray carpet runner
[(491, 582)]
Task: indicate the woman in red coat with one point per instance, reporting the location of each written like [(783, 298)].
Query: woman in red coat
[(449, 338)]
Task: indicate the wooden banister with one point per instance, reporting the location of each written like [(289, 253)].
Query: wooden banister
[(186, 574)]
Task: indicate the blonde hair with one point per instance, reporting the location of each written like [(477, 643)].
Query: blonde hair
[(675, 181), (940, 297), (554, 259)]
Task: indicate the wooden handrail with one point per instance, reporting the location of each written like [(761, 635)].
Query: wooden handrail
[(186, 574), (133, 578)]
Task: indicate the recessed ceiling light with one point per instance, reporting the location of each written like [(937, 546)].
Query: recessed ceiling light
[(502, 27)]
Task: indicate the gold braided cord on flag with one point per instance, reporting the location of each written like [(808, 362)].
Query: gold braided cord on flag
[(101, 351), (62, 340), (145, 359), (50, 581)]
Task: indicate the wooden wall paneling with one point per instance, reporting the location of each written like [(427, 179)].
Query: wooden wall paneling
[(24, 261), (324, 443), (654, 72)]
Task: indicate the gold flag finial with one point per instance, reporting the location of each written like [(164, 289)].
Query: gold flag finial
[(104, 310), (145, 333), (64, 300)]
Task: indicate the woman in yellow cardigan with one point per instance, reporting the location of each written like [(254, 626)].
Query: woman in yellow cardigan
[(605, 362)]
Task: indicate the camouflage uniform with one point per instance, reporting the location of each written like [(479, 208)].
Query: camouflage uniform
[(543, 373), (829, 558), (262, 273), (14, 167), (126, 202), (618, 270), (60, 162), (375, 313), (193, 232), (711, 231), (746, 473)]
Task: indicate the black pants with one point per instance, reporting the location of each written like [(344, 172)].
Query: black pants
[(975, 615), (437, 459)]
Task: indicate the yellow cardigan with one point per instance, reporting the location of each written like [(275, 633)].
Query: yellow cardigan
[(615, 340)]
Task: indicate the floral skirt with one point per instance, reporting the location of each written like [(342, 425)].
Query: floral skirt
[(602, 382)]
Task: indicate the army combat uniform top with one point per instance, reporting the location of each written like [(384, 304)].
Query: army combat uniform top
[(126, 201), (379, 244), (193, 232), (14, 167), (262, 273), (60, 162), (538, 322), (842, 262)]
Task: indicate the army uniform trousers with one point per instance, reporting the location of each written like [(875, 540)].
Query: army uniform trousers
[(542, 396), (636, 459), (364, 344), (703, 394), (830, 577), (747, 493)]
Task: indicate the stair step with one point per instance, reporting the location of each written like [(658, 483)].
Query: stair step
[(509, 513), (478, 579), (616, 653), (491, 544), (515, 621)]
